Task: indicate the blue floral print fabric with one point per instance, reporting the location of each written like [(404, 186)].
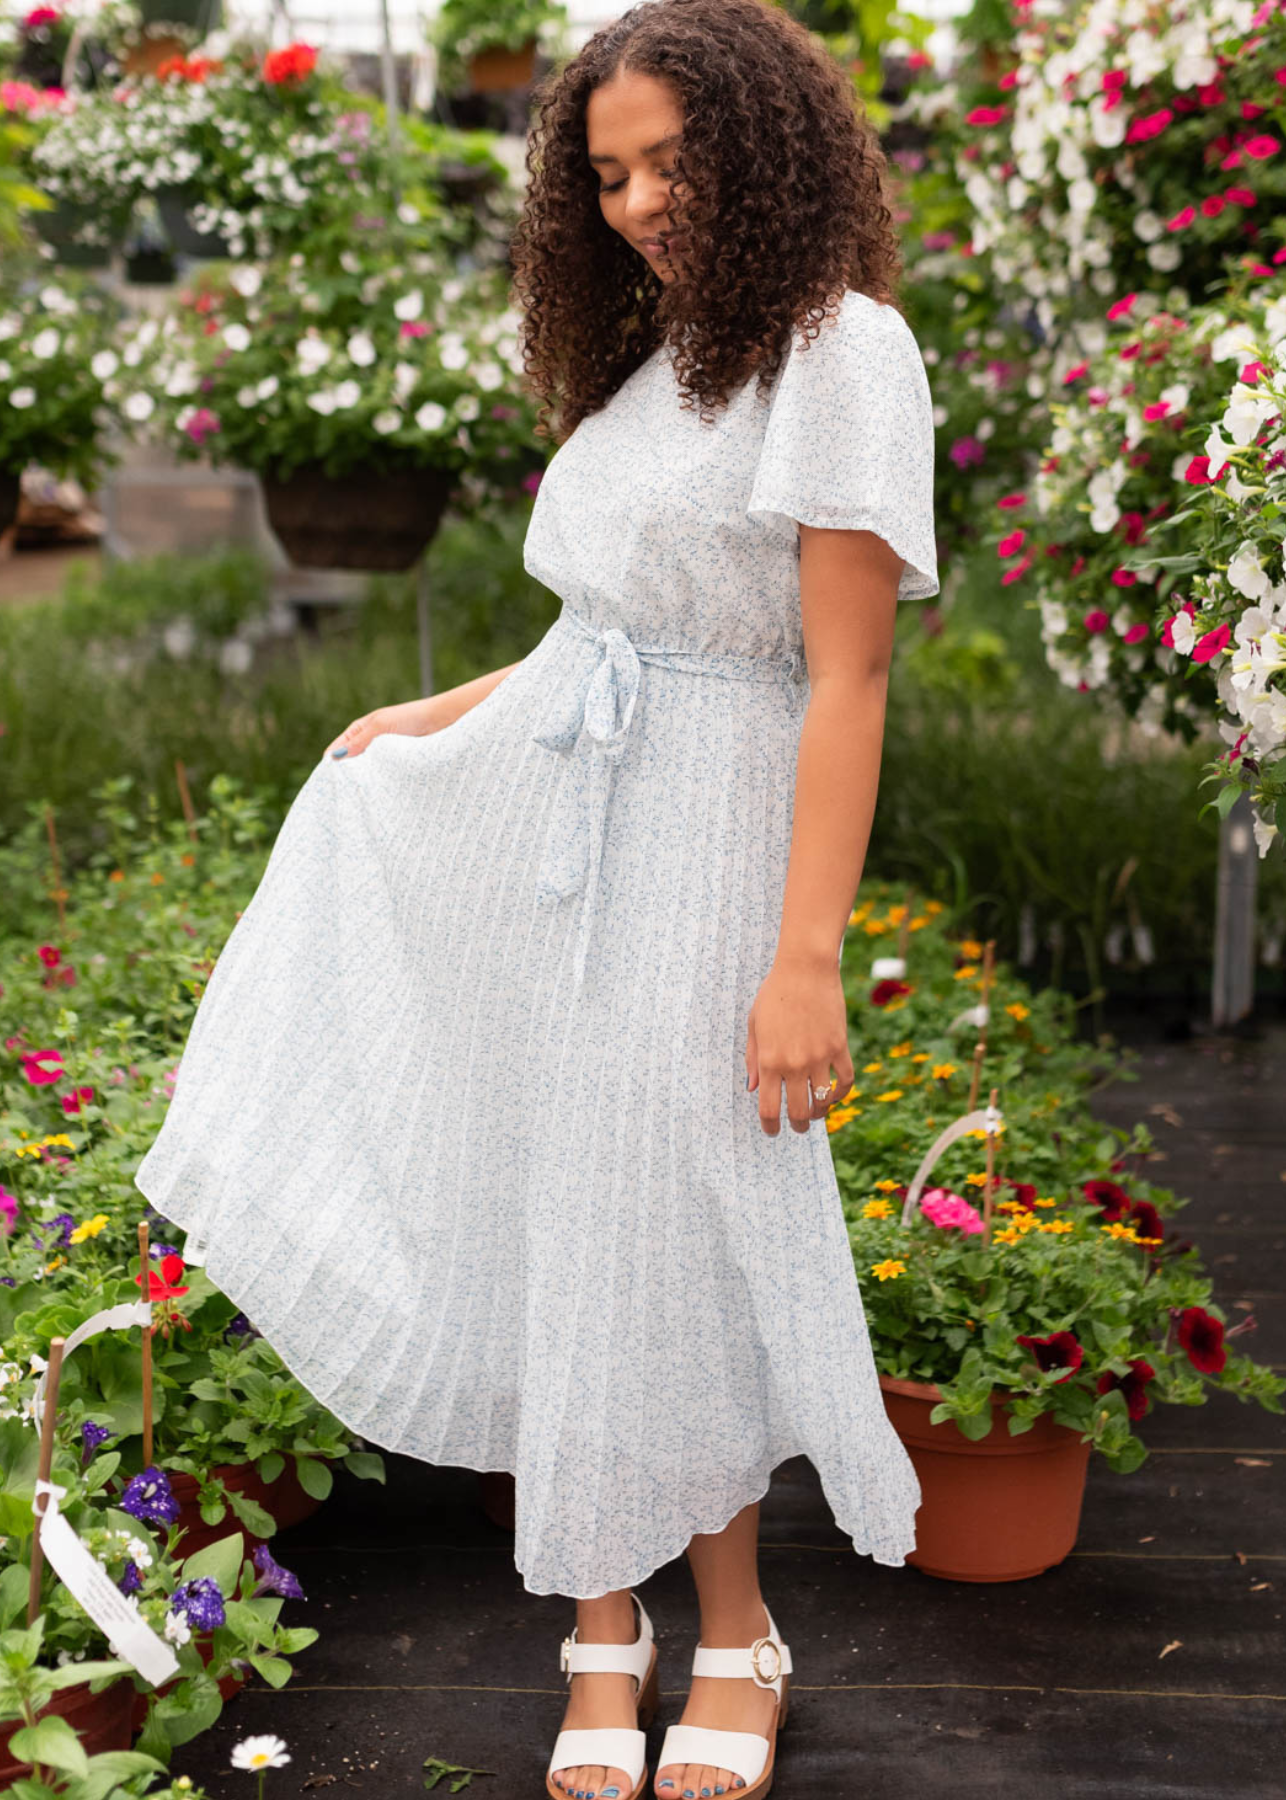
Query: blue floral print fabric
[(462, 1124)]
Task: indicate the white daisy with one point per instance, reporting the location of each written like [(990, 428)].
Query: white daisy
[(265, 1752)]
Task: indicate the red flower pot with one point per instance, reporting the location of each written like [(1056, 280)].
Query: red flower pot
[(229, 1685), (284, 1498), (101, 1721), (997, 1508)]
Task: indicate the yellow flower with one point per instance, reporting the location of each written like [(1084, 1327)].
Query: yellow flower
[(870, 1068), (117, 875), (920, 1056), (60, 1137), (51, 1266), (941, 1071), (897, 913), (934, 906), (1008, 1236), (886, 1186), (976, 1180), (158, 880), (874, 927), (90, 1228), (877, 1209), (966, 973), (1117, 1230), (854, 1093), (889, 1269), (1047, 1201), (1058, 1225), (918, 924), (893, 1094), (840, 1115), (980, 1131), (970, 947), (901, 1049), (1018, 1010)]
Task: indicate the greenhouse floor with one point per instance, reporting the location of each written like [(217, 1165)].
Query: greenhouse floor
[(1150, 1662)]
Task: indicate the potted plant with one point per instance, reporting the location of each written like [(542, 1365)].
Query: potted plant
[(1019, 1319), (363, 395), (492, 47)]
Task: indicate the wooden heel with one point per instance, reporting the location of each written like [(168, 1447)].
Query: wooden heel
[(649, 1696)]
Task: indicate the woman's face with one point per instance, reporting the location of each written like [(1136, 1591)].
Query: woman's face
[(632, 126)]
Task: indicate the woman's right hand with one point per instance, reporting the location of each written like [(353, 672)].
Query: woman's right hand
[(412, 718)]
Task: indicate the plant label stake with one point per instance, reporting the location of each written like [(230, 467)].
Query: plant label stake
[(51, 1375), (991, 1169), (147, 1348)]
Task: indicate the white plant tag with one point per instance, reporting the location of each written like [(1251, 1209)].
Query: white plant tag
[(112, 1318), (972, 1015), (888, 968), (988, 1118)]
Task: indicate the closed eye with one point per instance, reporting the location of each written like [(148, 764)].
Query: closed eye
[(668, 173)]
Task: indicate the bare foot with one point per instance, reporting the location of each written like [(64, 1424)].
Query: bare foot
[(723, 1704)]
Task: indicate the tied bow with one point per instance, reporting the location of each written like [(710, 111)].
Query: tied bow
[(589, 723)]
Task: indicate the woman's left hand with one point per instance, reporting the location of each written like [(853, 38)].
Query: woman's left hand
[(797, 1032)]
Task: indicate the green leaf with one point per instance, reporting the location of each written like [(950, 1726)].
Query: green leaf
[(256, 1519), (15, 1584), (222, 1560), (108, 1769), (52, 1743), (71, 1673), (270, 1466), (365, 1464), (315, 1477), (274, 1669)]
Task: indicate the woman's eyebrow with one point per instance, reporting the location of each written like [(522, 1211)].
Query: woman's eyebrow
[(648, 149)]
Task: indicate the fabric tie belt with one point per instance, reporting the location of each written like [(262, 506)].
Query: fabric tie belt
[(589, 723)]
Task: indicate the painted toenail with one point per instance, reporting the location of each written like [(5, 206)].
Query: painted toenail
[(707, 1794), (610, 1793)]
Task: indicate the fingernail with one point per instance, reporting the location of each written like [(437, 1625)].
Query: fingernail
[(343, 752)]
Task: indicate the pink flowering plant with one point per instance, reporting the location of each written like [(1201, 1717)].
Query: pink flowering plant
[(1075, 1294)]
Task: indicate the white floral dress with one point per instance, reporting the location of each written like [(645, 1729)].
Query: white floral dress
[(461, 1122)]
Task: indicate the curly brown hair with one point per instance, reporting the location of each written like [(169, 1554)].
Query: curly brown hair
[(781, 195)]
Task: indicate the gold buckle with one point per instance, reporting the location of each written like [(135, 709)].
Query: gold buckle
[(756, 1652), (565, 1656)]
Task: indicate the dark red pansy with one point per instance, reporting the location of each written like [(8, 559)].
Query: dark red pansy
[(1147, 1221), (1023, 1190), (1113, 1199), (1133, 1385), (1201, 1335), (1060, 1350), (884, 991)]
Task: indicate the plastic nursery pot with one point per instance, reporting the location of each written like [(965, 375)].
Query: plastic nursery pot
[(284, 1498), (103, 1721), (998, 1508), (10, 496), (496, 70), (358, 521), (185, 239), (228, 1685), (81, 237)]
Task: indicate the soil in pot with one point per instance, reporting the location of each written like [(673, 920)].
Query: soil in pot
[(103, 1721), (997, 1508)]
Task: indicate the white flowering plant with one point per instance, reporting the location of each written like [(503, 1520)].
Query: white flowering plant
[(1124, 140), (366, 355), (56, 362)]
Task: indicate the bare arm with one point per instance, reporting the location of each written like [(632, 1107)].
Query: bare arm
[(417, 718), (798, 1027)]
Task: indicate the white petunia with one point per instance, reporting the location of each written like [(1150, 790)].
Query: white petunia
[(1247, 574), (45, 344), (267, 387), (236, 337), (431, 416), (177, 1629), (453, 352), (246, 396), (313, 354), (347, 394), (139, 407), (410, 306), (104, 364), (246, 279), (323, 401), (467, 407), (489, 376), (386, 421), (361, 350), (22, 397), (1182, 633)]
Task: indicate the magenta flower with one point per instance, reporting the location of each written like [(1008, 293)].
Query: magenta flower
[(42, 1067), (202, 425), (949, 1212)]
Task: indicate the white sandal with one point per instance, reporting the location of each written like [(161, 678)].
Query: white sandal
[(610, 1746), (767, 1663)]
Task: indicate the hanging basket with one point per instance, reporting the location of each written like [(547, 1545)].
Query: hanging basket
[(997, 1508), (10, 497), (82, 237), (173, 204), (497, 70), (361, 520), (102, 1721)]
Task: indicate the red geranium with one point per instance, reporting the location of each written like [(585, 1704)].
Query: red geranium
[(1133, 1385), (295, 63), (162, 1286), (1201, 1335), (1060, 1350)]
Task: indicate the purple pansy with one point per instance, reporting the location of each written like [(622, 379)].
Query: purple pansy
[(66, 1225), (273, 1579), (202, 1602), (149, 1497), (131, 1580)]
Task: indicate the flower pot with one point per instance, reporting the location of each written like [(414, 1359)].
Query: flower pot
[(229, 1684), (151, 267), (10, 497), (172, 204), (496, 70), (284, 1498), (103, 1721), (146, 56), (356, 521), (998, 1508), (82, 237)]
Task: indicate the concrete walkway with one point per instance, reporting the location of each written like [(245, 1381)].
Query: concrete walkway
[(906, 1687)]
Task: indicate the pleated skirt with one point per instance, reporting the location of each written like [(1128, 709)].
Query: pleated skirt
[(497, 1217)]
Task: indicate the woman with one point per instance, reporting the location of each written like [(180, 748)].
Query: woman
[(480, 1117)]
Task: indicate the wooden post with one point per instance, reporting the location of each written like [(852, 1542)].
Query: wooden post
[(987, 1187), (46, 1463), (181, 776), (147, 1346)]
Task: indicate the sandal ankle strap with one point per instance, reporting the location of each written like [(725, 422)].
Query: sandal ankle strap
[(633, 1659), (764, 1662)]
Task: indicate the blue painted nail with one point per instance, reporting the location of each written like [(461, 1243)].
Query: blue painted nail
[(707, 1794), (343, 752), (689, 1794), (610, 1793)]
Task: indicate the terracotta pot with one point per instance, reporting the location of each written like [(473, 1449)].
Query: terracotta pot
[(10, 496), (998, 1508), (357, 521), (284, 1498), (229, 1685), (497, 1497), (101, 1722), (146, 56), (496, 70)]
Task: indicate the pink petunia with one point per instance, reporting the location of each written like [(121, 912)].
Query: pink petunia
[(950, 1212), (42, 1067)]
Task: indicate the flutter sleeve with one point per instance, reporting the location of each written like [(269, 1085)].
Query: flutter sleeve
[(849, 441)]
